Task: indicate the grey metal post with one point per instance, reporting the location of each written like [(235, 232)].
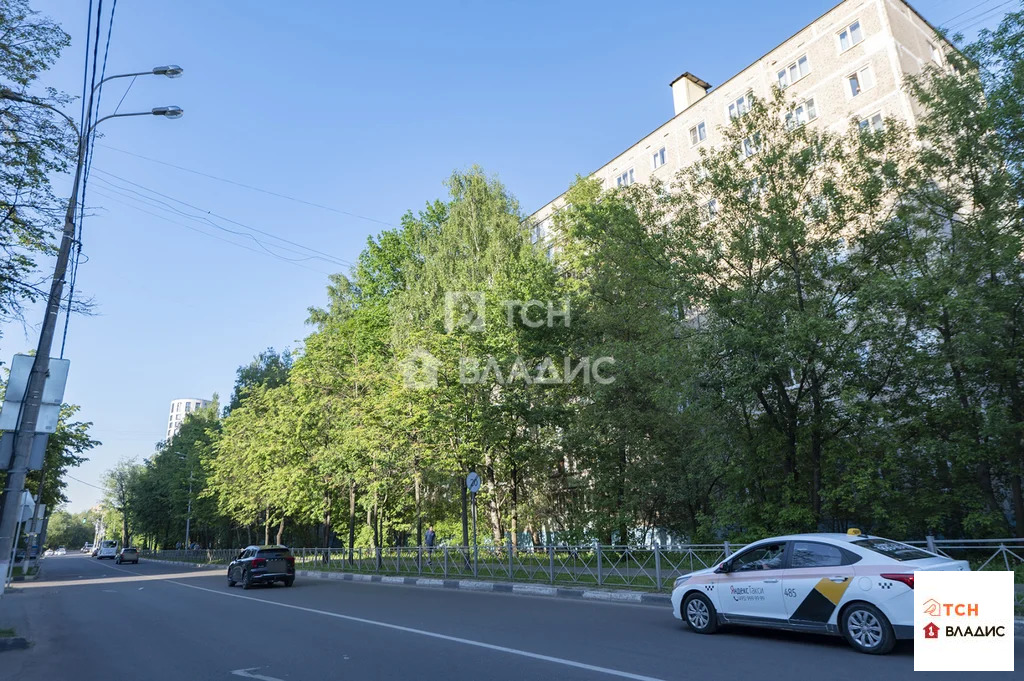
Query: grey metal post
[(511, 573), (931, 543), (600, 570), (446, 561), (551, 562), (657, 564), (726, 549), (476, 551), (1006, 558), (420, 561), (379, 559)]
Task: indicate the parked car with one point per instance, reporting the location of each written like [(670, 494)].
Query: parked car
[(87, 548), (49, 552), (262, 565), (108, 549), (128, 554), (852, 585), (61, 551)]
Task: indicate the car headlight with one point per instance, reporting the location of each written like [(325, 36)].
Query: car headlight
[(680, 581)]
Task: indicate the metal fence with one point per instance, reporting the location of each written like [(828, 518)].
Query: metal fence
[(651, 568)]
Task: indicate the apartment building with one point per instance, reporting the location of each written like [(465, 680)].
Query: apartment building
[(850, 63), (181, 408)]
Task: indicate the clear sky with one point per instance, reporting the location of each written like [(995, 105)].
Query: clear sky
[(361, 107)]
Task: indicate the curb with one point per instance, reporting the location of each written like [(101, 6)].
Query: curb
[(630, 597)]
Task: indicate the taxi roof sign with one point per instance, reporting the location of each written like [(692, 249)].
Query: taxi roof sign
[(853, 531)]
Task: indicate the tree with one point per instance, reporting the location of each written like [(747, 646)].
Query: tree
[(35, 145), (269, 369), (121, 484)]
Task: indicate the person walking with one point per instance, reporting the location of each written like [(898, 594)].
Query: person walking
[(429, 539)]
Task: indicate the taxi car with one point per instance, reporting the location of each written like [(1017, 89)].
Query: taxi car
[(853, 585)]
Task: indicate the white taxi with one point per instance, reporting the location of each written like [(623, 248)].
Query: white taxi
[(850, 584)]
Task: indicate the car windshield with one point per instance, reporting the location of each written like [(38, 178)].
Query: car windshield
[(893, 549), (108, 544)]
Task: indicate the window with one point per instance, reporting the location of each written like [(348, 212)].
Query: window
[(935, 54), (860, 81), (801, 114), (188, 407), (873, 123), (850, 36), (794, 72), (538, 233), (764, 557), (658, 159), (625, 179), (893, 549), (711, 209), (812, 554), (748, 147), (698, 134), (740, 106)]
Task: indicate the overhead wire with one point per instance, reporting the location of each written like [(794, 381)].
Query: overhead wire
[(200, 231), (967, 11), (982, 17), (167, 208), (205, 213), (251, 187)]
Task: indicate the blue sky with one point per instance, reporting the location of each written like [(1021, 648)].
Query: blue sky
[(362, 107)]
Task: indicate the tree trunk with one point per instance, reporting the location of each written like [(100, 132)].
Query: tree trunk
[(419, 511), (493, 509), (515, 506), (280, 530)]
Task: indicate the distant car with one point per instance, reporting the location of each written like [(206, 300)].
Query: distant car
[(87, 548), (49, 552), (61, 551), (262, 565), (853, 585), (128, 554), (107, 549)]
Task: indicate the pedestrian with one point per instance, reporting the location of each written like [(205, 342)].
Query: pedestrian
[(429, 538), (177, 547)]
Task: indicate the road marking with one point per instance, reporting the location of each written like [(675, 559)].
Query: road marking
[(431, 634), (246, 674)]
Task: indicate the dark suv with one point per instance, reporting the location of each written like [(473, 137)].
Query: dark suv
[(262, 565)]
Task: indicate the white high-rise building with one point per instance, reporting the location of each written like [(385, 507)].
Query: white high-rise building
[(179, 408)]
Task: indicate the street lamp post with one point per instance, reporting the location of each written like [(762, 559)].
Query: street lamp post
[(40, 366)]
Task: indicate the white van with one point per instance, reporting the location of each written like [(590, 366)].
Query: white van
[(108, 549)]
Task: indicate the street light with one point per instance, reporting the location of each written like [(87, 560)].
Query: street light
[(171, 71), (32, 399)]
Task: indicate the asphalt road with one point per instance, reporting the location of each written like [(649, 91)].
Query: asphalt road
[(91, 619)]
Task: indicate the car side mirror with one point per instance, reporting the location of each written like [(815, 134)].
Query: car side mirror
[(238, 557), (724, 567)]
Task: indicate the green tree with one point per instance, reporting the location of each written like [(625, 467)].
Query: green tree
[(36, 144)]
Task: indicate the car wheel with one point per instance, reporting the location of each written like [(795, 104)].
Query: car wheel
[(867, 630), (246, 580), (289, 582), (699, 614), (231, 580)]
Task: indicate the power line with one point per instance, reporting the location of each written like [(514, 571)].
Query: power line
[(167, 208), (71, 477), (212, 236), (251, 187), (205, 212), (982, 17), (967, 11)]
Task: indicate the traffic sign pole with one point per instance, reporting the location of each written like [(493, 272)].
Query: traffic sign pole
[(473, 485)]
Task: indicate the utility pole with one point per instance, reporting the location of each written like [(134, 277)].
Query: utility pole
[(188, 515), (29, 416)]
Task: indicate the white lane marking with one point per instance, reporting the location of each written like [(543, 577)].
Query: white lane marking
[(431, 634), (246, 674)]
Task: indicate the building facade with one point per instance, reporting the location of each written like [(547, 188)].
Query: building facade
[(179, 409), (849, 64)]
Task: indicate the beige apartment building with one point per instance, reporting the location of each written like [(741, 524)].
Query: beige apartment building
[(850, 63)]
